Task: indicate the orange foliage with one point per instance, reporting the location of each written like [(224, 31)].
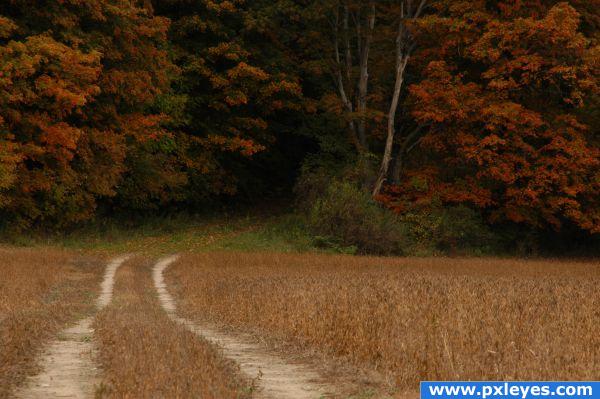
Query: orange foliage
[(71, 100), (503, 106)]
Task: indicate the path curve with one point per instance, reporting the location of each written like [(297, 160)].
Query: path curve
[(68, 367), (278, 379)]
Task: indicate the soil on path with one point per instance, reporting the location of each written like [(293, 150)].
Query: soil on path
[(67, 364), (276, 377)]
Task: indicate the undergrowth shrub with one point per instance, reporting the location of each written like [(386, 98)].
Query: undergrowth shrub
[(340, 213), (348, 216), (449, 230)]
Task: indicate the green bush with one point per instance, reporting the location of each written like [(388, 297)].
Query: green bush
[(347, 216), (310, 187), (449, 230), (318, 172), (340, 213)]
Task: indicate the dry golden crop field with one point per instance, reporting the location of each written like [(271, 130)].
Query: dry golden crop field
[(41, 291), (280, 325), (408, 319), (144, 354)]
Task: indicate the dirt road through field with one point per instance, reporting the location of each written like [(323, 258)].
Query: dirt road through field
[(68, 367), (276, 377)]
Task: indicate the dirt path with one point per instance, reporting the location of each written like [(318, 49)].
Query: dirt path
[(277, 378), (68, 368)]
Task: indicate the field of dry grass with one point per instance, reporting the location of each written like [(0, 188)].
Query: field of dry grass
[(410, 319), (41, 291), (146, 355), (396, 320)]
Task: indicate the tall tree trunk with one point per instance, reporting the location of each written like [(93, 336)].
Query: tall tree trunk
[(404, 47), (363, 83), (402, 153), (398, 166), (339, 77), (401, 62)]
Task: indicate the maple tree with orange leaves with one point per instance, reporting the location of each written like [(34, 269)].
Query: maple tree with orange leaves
[(143, 106), (502, 94)]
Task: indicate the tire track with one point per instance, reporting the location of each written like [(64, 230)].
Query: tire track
[(276, 377), (68, 367)]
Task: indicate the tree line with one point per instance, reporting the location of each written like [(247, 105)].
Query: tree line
[(143, 105)]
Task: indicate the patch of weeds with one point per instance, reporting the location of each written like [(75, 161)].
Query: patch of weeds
[(254, 384), (53, 295), (280, 234), (332, 245), (102, 391)]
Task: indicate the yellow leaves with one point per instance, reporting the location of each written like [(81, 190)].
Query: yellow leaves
[(220, 7), (218, 82), (58, 139), (439, 71), (235, 85), (50, 86), (243, 70), (228, 50), (51, 80), (251, 123), (142, 127), (511, 74), (503, 84), (60, 135), (63, 93), (562, 18), (236, 98), (9, 160), (492, 141), (134, 87), (245, 84), (282, 86), (7, 27), (16, 63), (331, 103), (592, 60), (66, 75), (154, 27), (246, 147)]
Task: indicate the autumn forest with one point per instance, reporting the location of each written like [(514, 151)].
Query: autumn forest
[(388, 125), (299, 199)]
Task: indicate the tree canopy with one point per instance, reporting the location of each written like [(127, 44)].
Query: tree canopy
[(145, 105)]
